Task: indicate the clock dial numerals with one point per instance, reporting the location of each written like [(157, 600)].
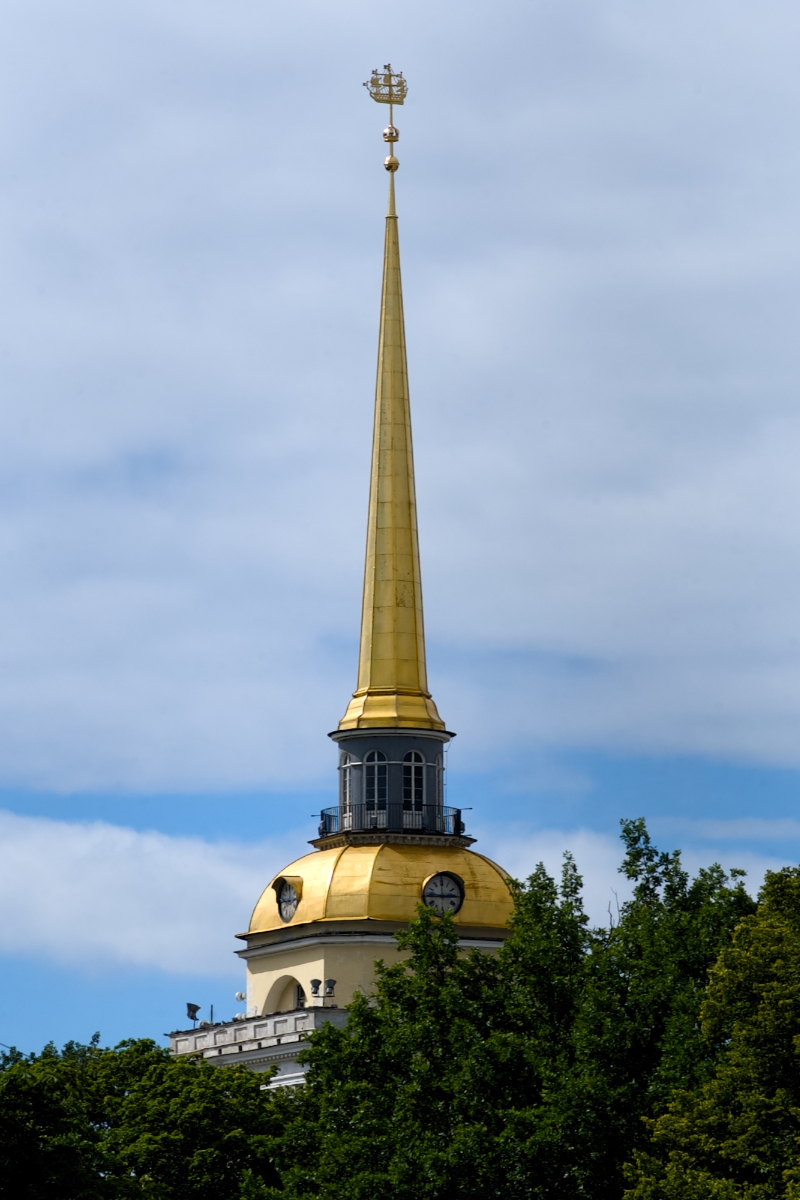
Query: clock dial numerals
[(287, 902), (443, 893)]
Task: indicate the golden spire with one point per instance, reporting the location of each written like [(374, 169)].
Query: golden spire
[(392, 689)]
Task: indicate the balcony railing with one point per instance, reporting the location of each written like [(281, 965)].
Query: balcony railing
[(394, 818)]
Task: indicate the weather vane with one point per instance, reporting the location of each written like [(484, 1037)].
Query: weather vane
[(388, 87)]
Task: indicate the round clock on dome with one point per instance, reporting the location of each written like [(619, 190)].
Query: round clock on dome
[(287, 901), (444, 893)]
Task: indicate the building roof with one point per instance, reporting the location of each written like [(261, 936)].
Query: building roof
[(384, 883)]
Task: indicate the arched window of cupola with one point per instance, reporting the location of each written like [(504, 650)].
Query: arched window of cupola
[(413, 781), (346, 768), (376, 782)]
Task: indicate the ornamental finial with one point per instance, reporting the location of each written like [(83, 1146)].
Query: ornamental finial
[(388, 87)]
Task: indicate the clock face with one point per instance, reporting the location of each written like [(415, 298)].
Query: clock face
[(443, 893), (287, 901)]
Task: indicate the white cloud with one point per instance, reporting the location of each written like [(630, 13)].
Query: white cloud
[(598, 857), (96, 894), (603, 281)]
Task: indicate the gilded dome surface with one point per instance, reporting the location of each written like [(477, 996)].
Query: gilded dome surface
[(384, 883)]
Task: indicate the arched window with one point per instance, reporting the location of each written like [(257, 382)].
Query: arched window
[(413, 781), (376, 783), (345, 765)]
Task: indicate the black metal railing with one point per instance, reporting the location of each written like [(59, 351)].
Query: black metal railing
[(394, 818)]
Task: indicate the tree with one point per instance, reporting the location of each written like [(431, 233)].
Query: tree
[(49, 1133), (88, 1123), (524, 1074), (737, 1134), (638, 1033)]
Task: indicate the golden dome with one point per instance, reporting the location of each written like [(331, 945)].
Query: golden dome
[(384, 883)]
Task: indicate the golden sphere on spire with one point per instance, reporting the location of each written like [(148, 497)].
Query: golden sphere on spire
[(391, 163), (391, 133)]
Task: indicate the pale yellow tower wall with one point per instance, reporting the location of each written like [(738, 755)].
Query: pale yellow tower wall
[(271, 979)]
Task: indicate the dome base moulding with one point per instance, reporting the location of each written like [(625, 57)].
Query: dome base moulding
[(381, 838)]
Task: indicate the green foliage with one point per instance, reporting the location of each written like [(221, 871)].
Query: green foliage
[(88, 1123), (737, 1133), (48, 1125), (638, 1033)]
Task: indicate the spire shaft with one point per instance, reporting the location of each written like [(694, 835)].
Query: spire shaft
[(392, 687)]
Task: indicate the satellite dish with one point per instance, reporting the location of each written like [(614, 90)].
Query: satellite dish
[(192, 1010), (240, 996)]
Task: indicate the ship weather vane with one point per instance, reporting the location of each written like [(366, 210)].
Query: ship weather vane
[(388, 87)]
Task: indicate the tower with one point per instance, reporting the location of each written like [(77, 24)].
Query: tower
[(390, 842)]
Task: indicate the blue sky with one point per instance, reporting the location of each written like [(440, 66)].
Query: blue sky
[(602, 278)]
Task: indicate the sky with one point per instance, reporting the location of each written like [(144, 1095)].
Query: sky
[(601, 266)]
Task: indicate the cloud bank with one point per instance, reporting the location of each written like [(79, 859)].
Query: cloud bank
[(602, 277), (89, 895)]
